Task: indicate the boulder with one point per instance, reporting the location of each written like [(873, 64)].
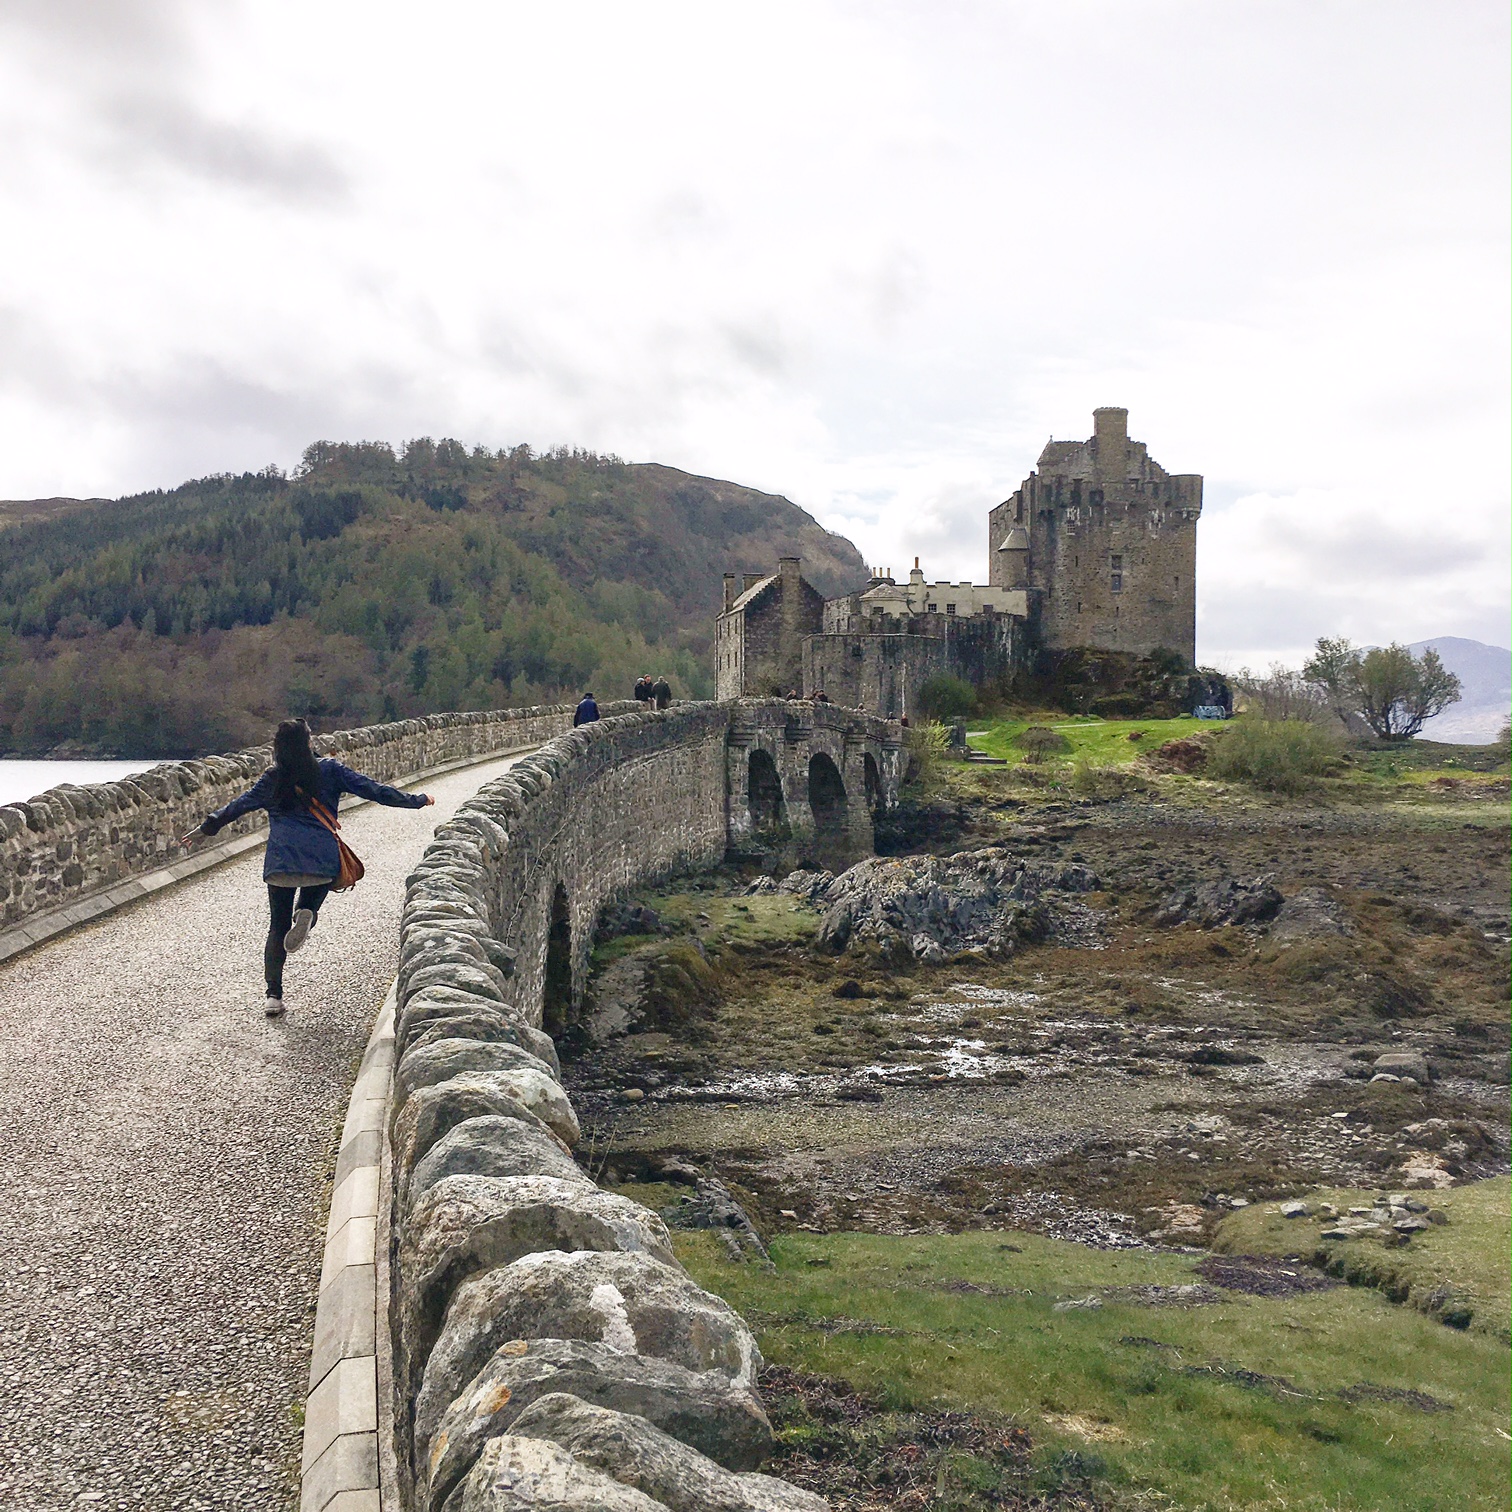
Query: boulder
[(1225, 902), (810, 885), (711, 1205), (628, 1301), (425, 1066), (932, 908), (534, 1475), (493, 1028), (637, 1453), (434, 1111), (1400, 1063), (492, 1146), (1309, 915), (705, 1410)]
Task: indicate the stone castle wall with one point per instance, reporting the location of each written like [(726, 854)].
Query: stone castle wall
[(71, 842), (885, 672)]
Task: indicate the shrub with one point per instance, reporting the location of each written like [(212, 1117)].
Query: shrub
[(1502, 745), (1280, 755), (1039, 741), (1284, 694), (945, 697), (926, 745)]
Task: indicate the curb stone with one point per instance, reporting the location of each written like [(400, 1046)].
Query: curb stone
[(339, 1466)]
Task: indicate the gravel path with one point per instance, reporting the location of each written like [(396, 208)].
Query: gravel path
[(168, 1155)]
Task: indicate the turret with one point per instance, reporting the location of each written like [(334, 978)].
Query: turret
[(1013, 556)]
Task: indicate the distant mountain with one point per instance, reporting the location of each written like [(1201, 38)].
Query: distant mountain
[(371, 585), (1485, 674)]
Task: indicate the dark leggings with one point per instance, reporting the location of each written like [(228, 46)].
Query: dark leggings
[(281, 912)]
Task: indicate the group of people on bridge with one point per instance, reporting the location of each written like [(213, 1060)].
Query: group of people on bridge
[(655, 692), (649, 690)]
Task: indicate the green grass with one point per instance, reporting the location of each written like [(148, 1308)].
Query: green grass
[(1149, 1394), (1100, 742), (1452, 1270), (763, 919)]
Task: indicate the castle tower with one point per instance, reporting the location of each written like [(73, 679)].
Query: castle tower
[(1112, 544)]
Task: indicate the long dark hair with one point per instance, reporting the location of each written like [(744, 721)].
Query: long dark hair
[(296, 772)]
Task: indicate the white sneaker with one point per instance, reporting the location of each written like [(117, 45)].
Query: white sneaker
[(273, 1007), (304, 922)]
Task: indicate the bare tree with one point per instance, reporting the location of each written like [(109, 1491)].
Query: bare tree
[(1284, 693)]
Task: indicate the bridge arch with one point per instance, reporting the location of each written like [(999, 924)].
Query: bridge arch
[(871, 776), (764, 790), (828, 801), (556, 993)]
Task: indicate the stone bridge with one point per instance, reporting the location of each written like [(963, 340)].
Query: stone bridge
[(166, 1141), (811, 773), (640, 797)]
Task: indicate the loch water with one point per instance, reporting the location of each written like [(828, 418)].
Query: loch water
[(20, 780)]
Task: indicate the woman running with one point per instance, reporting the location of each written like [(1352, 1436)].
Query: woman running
[(303, 856)]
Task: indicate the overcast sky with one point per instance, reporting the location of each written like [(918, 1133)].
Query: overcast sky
[(869, 256)]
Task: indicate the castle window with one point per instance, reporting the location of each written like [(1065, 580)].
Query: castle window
[(1117, 562), (932, 608), (950, 608), (1118, 582)]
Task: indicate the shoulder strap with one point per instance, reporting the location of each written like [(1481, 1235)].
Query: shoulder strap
[(324, 816)]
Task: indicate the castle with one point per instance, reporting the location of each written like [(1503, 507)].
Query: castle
[(1095, 550)]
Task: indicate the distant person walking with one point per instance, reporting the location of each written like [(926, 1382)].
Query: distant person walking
[(643, 686), (661, 691), (303, 855), (586, 712)]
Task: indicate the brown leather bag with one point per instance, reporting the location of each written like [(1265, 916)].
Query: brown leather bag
[(352, 869)]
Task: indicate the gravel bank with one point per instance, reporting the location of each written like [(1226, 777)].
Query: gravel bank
[(168, 1162)]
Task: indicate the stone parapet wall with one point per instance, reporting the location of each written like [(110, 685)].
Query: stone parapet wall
[(547, 1346), (71, 842)]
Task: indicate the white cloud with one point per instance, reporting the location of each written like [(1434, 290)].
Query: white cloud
[(869, 256)]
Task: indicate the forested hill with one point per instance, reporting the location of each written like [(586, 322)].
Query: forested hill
[(370, 586)]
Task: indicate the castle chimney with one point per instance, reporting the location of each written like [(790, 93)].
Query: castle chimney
[(916, 577), (751, 579), (731, 593), (1111, 435)]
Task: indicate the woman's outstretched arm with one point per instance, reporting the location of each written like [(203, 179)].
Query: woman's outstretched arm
[(362, 786), (256, 797)]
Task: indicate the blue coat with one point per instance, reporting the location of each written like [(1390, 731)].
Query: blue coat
[(587, 713), (298, 843)]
